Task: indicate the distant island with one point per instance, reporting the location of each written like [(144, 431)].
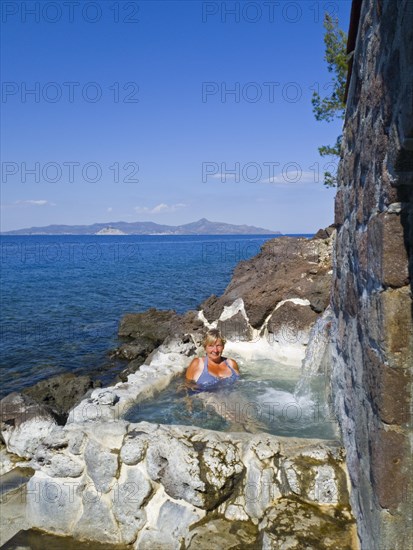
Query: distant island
[(200, 227)]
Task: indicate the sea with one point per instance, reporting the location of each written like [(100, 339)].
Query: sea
[(62, 297)]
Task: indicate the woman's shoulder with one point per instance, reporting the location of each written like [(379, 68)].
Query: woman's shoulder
[(195, 367), (233, 364)]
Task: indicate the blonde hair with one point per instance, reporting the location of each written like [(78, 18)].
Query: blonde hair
[(212, 336)]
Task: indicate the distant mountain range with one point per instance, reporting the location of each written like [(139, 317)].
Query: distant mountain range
[(201, 227)]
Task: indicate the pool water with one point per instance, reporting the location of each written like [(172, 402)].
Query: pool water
[(262, 400)]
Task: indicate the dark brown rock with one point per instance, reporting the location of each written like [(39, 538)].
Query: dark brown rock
[(290, 319), (352, 299), (145, 332), (324, 233), (286, 267), (339, 214), (236, 328), (60, 393), (189, 323), (386, 250), (371, 298), (390, 468), (212, 308), (392, 406), (133, 351), (132, 367), (148, 330), (361, 247), (397, 326), (152, 324), (395, 262)]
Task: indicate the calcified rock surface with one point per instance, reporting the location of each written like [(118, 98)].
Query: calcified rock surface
[(176, 487)]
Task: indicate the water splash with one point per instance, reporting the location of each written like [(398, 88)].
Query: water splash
[(313, 387)]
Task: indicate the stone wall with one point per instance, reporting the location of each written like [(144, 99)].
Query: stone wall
[(371, 297)]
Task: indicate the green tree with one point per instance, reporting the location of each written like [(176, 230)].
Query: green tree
[(333, 105)]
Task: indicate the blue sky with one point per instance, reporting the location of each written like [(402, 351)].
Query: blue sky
[(164, 111)]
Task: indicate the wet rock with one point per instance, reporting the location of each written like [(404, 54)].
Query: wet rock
[(317, 358), (221, 533), (293, 525)]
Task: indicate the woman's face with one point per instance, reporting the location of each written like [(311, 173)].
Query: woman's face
[(214, 350)]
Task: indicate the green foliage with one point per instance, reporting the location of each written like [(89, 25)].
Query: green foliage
[(332, 106)]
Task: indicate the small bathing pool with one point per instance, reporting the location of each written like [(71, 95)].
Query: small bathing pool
[(264, 399)]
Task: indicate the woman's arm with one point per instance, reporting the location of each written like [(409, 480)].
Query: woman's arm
[(193, 372)]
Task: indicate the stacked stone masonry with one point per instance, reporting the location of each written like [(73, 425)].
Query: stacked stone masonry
[(372, 293)]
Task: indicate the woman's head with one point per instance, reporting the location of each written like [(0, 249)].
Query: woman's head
[(211, 337)]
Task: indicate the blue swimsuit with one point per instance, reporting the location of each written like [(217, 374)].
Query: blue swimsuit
[(207, 380)]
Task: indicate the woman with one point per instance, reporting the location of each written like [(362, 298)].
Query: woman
[(213, 369)]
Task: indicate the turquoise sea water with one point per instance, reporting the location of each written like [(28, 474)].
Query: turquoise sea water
[(62, 296)]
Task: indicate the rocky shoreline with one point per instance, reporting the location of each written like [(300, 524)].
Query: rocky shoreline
[(276, 296), (192, 485)]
